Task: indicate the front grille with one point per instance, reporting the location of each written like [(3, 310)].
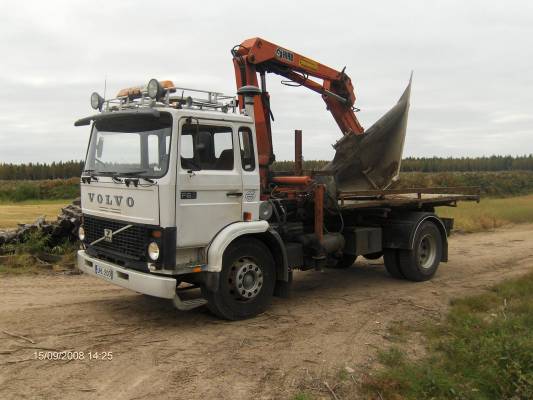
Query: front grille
[(130, 243)]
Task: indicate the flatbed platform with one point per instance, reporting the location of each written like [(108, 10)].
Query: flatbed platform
[(415, 197)]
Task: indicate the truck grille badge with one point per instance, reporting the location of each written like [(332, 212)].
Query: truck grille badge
[(108, 235)]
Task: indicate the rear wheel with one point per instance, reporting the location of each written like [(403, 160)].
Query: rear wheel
[(392, 263), (421, 263), (246, 282)]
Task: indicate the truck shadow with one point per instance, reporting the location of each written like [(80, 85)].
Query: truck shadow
[(354, 283)]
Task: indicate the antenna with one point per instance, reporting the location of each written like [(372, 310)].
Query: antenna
[(105, 84)]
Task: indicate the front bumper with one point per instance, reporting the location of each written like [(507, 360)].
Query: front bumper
[(153, 285)]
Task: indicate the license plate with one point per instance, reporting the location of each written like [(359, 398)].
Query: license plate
[(104, 272)]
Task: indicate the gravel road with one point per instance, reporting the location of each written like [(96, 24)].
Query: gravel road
[(334, 319)]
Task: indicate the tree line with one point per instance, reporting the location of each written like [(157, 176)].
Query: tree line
[(41, 171), (72, 169), (439, 164), (467, 164)]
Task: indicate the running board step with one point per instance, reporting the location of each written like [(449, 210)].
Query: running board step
[(186, 305)]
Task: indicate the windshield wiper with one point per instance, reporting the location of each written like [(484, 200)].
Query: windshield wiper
[(112, 174), (137, 174), (132, 173), (107, 173)]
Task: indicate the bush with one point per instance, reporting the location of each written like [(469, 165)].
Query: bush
[(51, 189), (26, 191)]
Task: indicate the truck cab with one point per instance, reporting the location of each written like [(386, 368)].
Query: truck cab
[(163, 179)]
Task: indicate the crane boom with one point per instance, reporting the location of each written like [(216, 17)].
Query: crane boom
[(258, 56), (363, 159)]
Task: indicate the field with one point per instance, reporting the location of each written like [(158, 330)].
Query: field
[(490, 213), (12, 213), (346, 334)]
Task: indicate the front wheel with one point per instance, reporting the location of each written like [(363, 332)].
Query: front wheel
[(246, 282), (421, 263)]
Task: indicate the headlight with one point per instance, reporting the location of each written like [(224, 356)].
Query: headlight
[(97, 101), (81, 233), (153, 251), (154, 89)]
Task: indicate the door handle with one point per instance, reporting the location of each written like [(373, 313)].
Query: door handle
[(234, 194)]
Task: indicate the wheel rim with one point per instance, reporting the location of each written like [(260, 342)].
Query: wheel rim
[(246, 279), (427, 251)]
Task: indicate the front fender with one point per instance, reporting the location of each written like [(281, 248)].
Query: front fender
[(227, 235)]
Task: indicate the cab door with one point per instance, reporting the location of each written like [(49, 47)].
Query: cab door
[(250, 171), (209, 185)]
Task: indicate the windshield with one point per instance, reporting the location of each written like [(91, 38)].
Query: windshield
[(132, 145)]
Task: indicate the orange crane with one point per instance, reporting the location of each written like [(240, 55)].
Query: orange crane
[(258, 56)]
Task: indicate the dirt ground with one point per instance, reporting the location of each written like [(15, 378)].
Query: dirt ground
[(334, 319)]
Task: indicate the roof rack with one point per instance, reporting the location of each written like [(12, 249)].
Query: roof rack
[(174, 97)]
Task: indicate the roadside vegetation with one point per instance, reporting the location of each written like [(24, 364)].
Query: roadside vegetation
[(54, 189), (490, 213), (482, 350), (38, 253), (491, 184)]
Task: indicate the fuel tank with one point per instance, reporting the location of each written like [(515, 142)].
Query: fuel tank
[(372, 160)]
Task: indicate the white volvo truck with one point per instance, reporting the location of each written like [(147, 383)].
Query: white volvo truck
[(177, 192)]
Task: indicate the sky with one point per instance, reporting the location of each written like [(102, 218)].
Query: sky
[(472, 89)]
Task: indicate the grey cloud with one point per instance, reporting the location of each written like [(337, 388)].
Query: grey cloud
[(472, 61)]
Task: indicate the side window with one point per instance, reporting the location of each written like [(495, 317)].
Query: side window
[(222, 141), (153, 151), (246, 143), (206, 147), (186, 146)]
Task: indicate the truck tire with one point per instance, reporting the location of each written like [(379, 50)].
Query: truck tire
[(246, 283), (373, 256), (421, 263), (392, 263), (345, 261)]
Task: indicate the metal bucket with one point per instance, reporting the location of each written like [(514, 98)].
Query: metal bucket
[(372, 160)]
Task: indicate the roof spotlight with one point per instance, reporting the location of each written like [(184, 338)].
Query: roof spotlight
[(97, 101), (154, 89)]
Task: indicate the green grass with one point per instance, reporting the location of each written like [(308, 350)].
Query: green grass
[(483, 350), (489, 213)]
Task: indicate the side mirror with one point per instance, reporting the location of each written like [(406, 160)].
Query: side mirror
[(99, 147)]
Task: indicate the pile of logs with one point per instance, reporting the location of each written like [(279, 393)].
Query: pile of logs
[(65, 226)]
